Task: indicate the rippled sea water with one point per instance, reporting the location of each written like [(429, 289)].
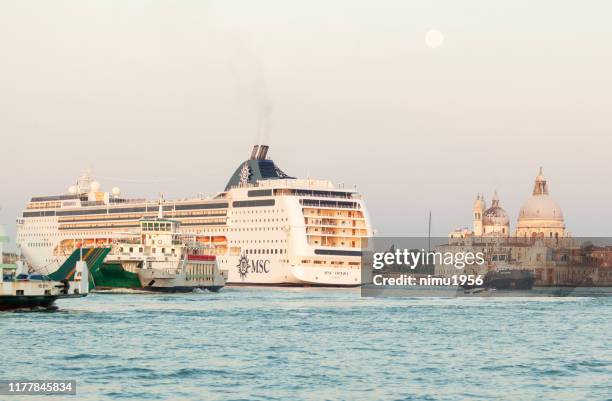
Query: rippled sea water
[(314, 344)]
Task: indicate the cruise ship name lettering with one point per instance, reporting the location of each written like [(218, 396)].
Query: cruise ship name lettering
[(260, 266)]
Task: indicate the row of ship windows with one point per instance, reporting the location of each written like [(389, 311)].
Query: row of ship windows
[(99, 233), (133, 224), (175, 215), (265, 251), (199, 270), (325, 262), (46, 220), (258, 211), (342, 243), (259, 241), (256, 220), (153, 250), (38, 244), (256, 229), (172, 215), (57, 234), (38, 235), (210, 230)]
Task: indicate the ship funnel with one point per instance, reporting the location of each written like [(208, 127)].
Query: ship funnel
[(257, 168), (254, 152), (259, 152), (263, 152)]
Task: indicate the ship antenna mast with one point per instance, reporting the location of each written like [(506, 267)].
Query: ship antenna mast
[(429, 233), (160, 212)]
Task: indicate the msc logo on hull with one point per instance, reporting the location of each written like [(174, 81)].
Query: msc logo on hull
[(246, 266)]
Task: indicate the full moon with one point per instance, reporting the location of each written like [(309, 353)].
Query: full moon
[(434, 39)]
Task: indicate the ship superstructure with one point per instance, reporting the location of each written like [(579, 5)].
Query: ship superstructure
[(264, 228), (165, 260)]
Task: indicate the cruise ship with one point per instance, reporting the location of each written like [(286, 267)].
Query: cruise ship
[(265, 227)]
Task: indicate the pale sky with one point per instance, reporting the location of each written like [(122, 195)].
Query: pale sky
[(170, 96)]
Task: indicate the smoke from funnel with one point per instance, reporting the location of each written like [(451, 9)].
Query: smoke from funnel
[(264, 115), (249, 71)]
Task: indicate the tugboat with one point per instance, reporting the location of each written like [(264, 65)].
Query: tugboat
[(168, 261)]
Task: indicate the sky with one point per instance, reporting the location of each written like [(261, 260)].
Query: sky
[(166, 96)]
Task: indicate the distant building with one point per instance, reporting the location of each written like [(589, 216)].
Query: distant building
[(4, 238), (539, 217), (9, 258), (540, 243), (5, 258)]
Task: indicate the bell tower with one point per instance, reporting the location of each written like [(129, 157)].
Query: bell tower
[(478, 212)]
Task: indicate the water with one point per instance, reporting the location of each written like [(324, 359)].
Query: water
[(314, 344)]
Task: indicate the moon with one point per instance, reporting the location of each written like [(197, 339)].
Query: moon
[(434, 39)]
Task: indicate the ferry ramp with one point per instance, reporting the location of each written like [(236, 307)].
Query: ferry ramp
[(94, 258)]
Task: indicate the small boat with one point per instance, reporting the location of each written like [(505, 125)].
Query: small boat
[(165, 260), (507, 279), (20, 290), (510, 279), (480, 291)]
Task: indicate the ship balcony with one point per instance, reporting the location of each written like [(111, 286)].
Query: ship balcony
[(336, 232), (333, 213), (310, 222), (356, 208), (337, 242), (330, 204)]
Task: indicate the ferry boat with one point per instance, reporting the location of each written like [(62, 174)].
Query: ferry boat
[(20, 290), (163, 261), (265, 227), (506, 278), (509, 279)]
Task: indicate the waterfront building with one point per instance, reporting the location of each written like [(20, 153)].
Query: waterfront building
[(540, 243), (540, 216)]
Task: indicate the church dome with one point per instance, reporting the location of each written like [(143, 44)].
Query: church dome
[(540, 206), (540, 215), (495, 215)]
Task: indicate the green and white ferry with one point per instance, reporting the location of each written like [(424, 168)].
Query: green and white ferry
[(166, 260)]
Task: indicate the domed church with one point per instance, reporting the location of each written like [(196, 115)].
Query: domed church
[(540, 215)]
